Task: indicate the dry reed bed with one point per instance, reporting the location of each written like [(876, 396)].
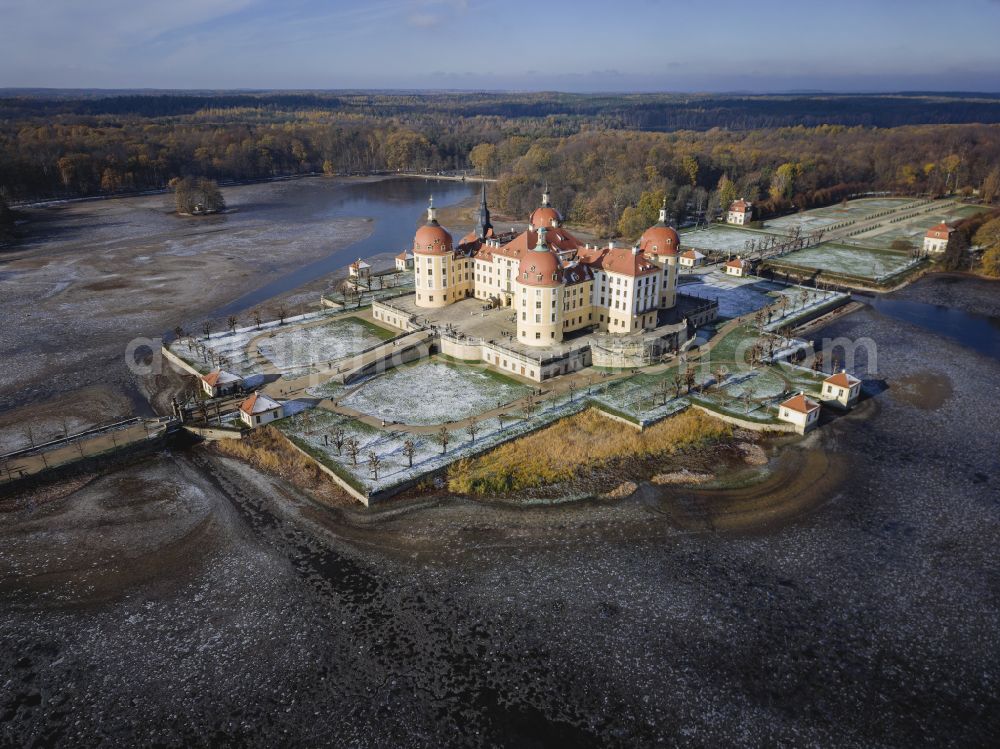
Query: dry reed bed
[(587, 440)]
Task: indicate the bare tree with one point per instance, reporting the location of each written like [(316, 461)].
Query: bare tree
[(677, 382), (472, 428), (338, 439), (256, 318), (689, 378), (206, 328), (528, 407), (282, 314), (443, 437), (374, 463), (409, 450), (353, 448), (663, 390)]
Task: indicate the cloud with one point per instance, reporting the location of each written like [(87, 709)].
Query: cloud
[(429, 14), (424, 20)]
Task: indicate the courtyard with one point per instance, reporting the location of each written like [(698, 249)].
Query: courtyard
[(433, 391)]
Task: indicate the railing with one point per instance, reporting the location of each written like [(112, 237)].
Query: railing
[(118, 425)]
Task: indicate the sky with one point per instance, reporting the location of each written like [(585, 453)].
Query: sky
[(523, 45)]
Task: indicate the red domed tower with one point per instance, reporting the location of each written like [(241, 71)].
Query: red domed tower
[(433, 261), (538, 295), (660, 239), (431, 238), (546, 216), (661, 244)]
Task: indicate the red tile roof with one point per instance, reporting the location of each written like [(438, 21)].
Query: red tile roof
[(258, 403), (544, 216), (941, 231), (801, 404), (628, 263), (432, 239), (660, 240), (740, 206), (220, 377), (842, 379)]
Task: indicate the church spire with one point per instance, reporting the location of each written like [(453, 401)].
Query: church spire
[(546, 198), (663, 211), (483, 225), (431, 211)]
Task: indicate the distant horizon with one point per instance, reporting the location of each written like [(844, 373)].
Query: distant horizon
[(585, 46), (392, 90)]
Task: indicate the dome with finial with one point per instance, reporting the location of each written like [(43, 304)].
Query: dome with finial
[(431, 238), (545, 215), (660, 238), (540, 266)]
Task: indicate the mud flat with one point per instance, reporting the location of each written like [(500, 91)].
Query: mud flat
[(91, 276), (849, 599)]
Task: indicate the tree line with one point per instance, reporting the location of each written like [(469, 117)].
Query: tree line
[(610, 178), (663, 112), (616, 181)]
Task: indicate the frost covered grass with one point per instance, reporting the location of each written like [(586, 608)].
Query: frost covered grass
[(740, 297), (736, 297), (759, 384), (298, 351), (801, 378), (433, 392), (557, 453), (818, 218), (318, 430), (913, 229), (862, 262), (231, 346), (719, 238)]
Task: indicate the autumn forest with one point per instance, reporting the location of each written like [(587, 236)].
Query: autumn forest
[(610, 160)]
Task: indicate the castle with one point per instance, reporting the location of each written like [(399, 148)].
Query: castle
[(555, 283)]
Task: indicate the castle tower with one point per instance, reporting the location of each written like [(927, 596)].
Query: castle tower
[(433, 257), (661, 244), (538, 295)]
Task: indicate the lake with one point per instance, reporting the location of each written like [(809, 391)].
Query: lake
[(393, 204)]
